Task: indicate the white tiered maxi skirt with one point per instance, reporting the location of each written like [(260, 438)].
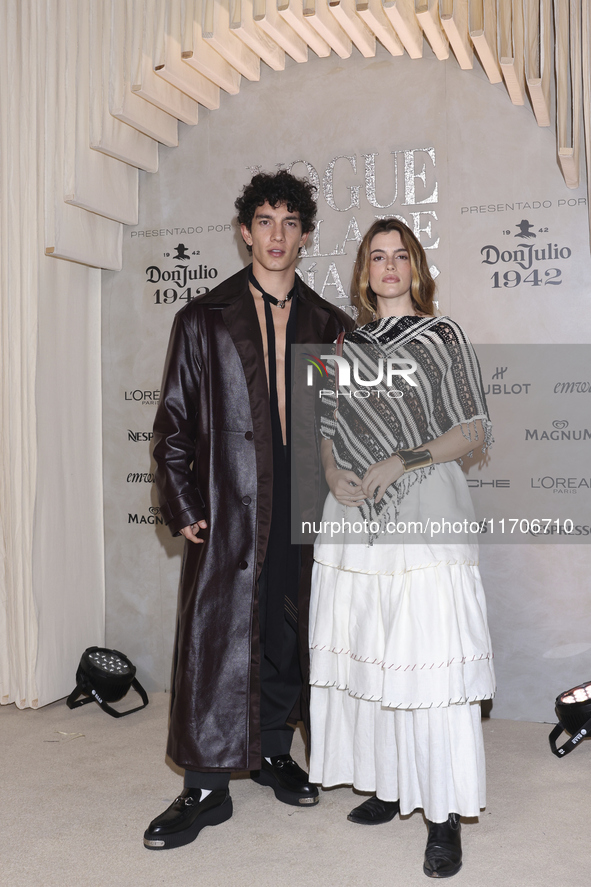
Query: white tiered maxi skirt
[(400, 657)]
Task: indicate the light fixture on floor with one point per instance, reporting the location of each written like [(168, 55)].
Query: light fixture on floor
[(574, 715), (105, 676)]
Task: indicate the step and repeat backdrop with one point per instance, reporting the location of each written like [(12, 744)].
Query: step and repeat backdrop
[(477, 181)]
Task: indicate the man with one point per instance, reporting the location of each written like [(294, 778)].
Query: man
[(222, 435)]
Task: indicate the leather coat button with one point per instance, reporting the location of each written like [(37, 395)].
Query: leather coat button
[(243, 565), (249, 435), (246, 500)]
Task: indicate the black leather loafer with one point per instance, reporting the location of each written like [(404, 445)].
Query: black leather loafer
[(374, 812), (443, 855), (288, 781), (187, 815)]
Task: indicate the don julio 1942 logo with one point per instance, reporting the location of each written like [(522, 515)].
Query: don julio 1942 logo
[(531, 258), (179, 277)]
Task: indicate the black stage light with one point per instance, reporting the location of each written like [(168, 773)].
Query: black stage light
[(574, 715), (105, 676)]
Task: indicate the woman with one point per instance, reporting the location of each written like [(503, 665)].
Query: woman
[(400, 649)]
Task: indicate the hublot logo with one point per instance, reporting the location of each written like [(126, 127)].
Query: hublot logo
[(506, 387)]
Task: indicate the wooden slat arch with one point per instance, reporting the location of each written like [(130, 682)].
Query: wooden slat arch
[(165, 57)]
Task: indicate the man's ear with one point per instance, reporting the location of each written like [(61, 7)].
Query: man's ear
[(304, 238), (246, 235)]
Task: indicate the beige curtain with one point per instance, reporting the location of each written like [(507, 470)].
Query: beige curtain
[(51, 523), (20, 246)]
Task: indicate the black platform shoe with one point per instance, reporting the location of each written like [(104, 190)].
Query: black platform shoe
[(187, 815), (443, 854), (374, 812), (288, 781)]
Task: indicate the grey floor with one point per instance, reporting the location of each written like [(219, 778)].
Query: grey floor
[(78, 788)]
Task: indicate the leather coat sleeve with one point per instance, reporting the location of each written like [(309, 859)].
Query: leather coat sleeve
[(175, 430)]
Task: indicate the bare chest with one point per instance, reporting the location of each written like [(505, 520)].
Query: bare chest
[(280, 319)]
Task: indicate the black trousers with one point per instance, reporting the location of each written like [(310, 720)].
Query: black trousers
[(280, 688)]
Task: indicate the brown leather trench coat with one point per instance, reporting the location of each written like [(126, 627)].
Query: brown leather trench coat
[(213, 451)]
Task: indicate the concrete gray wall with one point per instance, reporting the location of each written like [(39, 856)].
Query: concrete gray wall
[(446, 151)]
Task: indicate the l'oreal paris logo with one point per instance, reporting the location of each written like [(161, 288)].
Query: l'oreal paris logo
[(143, 397), (390, 367), (560, 484)]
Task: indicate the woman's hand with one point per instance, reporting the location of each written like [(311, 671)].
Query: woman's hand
[(379, 476), (345, 486)]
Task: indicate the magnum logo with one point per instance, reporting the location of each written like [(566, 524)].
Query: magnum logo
[(152, 518), (560, 431)]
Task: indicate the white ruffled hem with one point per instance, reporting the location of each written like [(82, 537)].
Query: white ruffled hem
[(413, 640), (431, 759)]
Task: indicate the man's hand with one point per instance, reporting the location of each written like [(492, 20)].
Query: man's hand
[(345, 486), (379, 476), (191, 532)]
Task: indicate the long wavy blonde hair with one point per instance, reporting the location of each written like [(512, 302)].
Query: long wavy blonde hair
[(422, 288)]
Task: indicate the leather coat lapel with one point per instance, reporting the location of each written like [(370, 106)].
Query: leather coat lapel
[(241, 321), (311, 322)]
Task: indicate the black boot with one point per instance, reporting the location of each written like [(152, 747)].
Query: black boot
[(288, 781), (374, 812), (187, 815), (443, 854)]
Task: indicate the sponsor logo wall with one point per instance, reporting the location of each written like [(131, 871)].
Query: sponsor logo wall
[(537, 453), (506, 242)]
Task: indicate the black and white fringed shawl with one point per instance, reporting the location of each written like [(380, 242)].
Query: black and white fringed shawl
[(368, 428)]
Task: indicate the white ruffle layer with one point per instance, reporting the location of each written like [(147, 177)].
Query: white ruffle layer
[(399, 647), (427, 758), (402, 623), (410, 640)]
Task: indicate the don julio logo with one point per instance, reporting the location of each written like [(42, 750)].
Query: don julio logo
[(560, 431), (524, 256), (181, 275), (153, 517)]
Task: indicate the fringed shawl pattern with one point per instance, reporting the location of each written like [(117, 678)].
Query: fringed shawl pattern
[(368, 428)]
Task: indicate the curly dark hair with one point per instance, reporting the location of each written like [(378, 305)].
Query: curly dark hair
[(276, 188)]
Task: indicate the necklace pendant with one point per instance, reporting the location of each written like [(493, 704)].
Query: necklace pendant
[(281, 304)]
